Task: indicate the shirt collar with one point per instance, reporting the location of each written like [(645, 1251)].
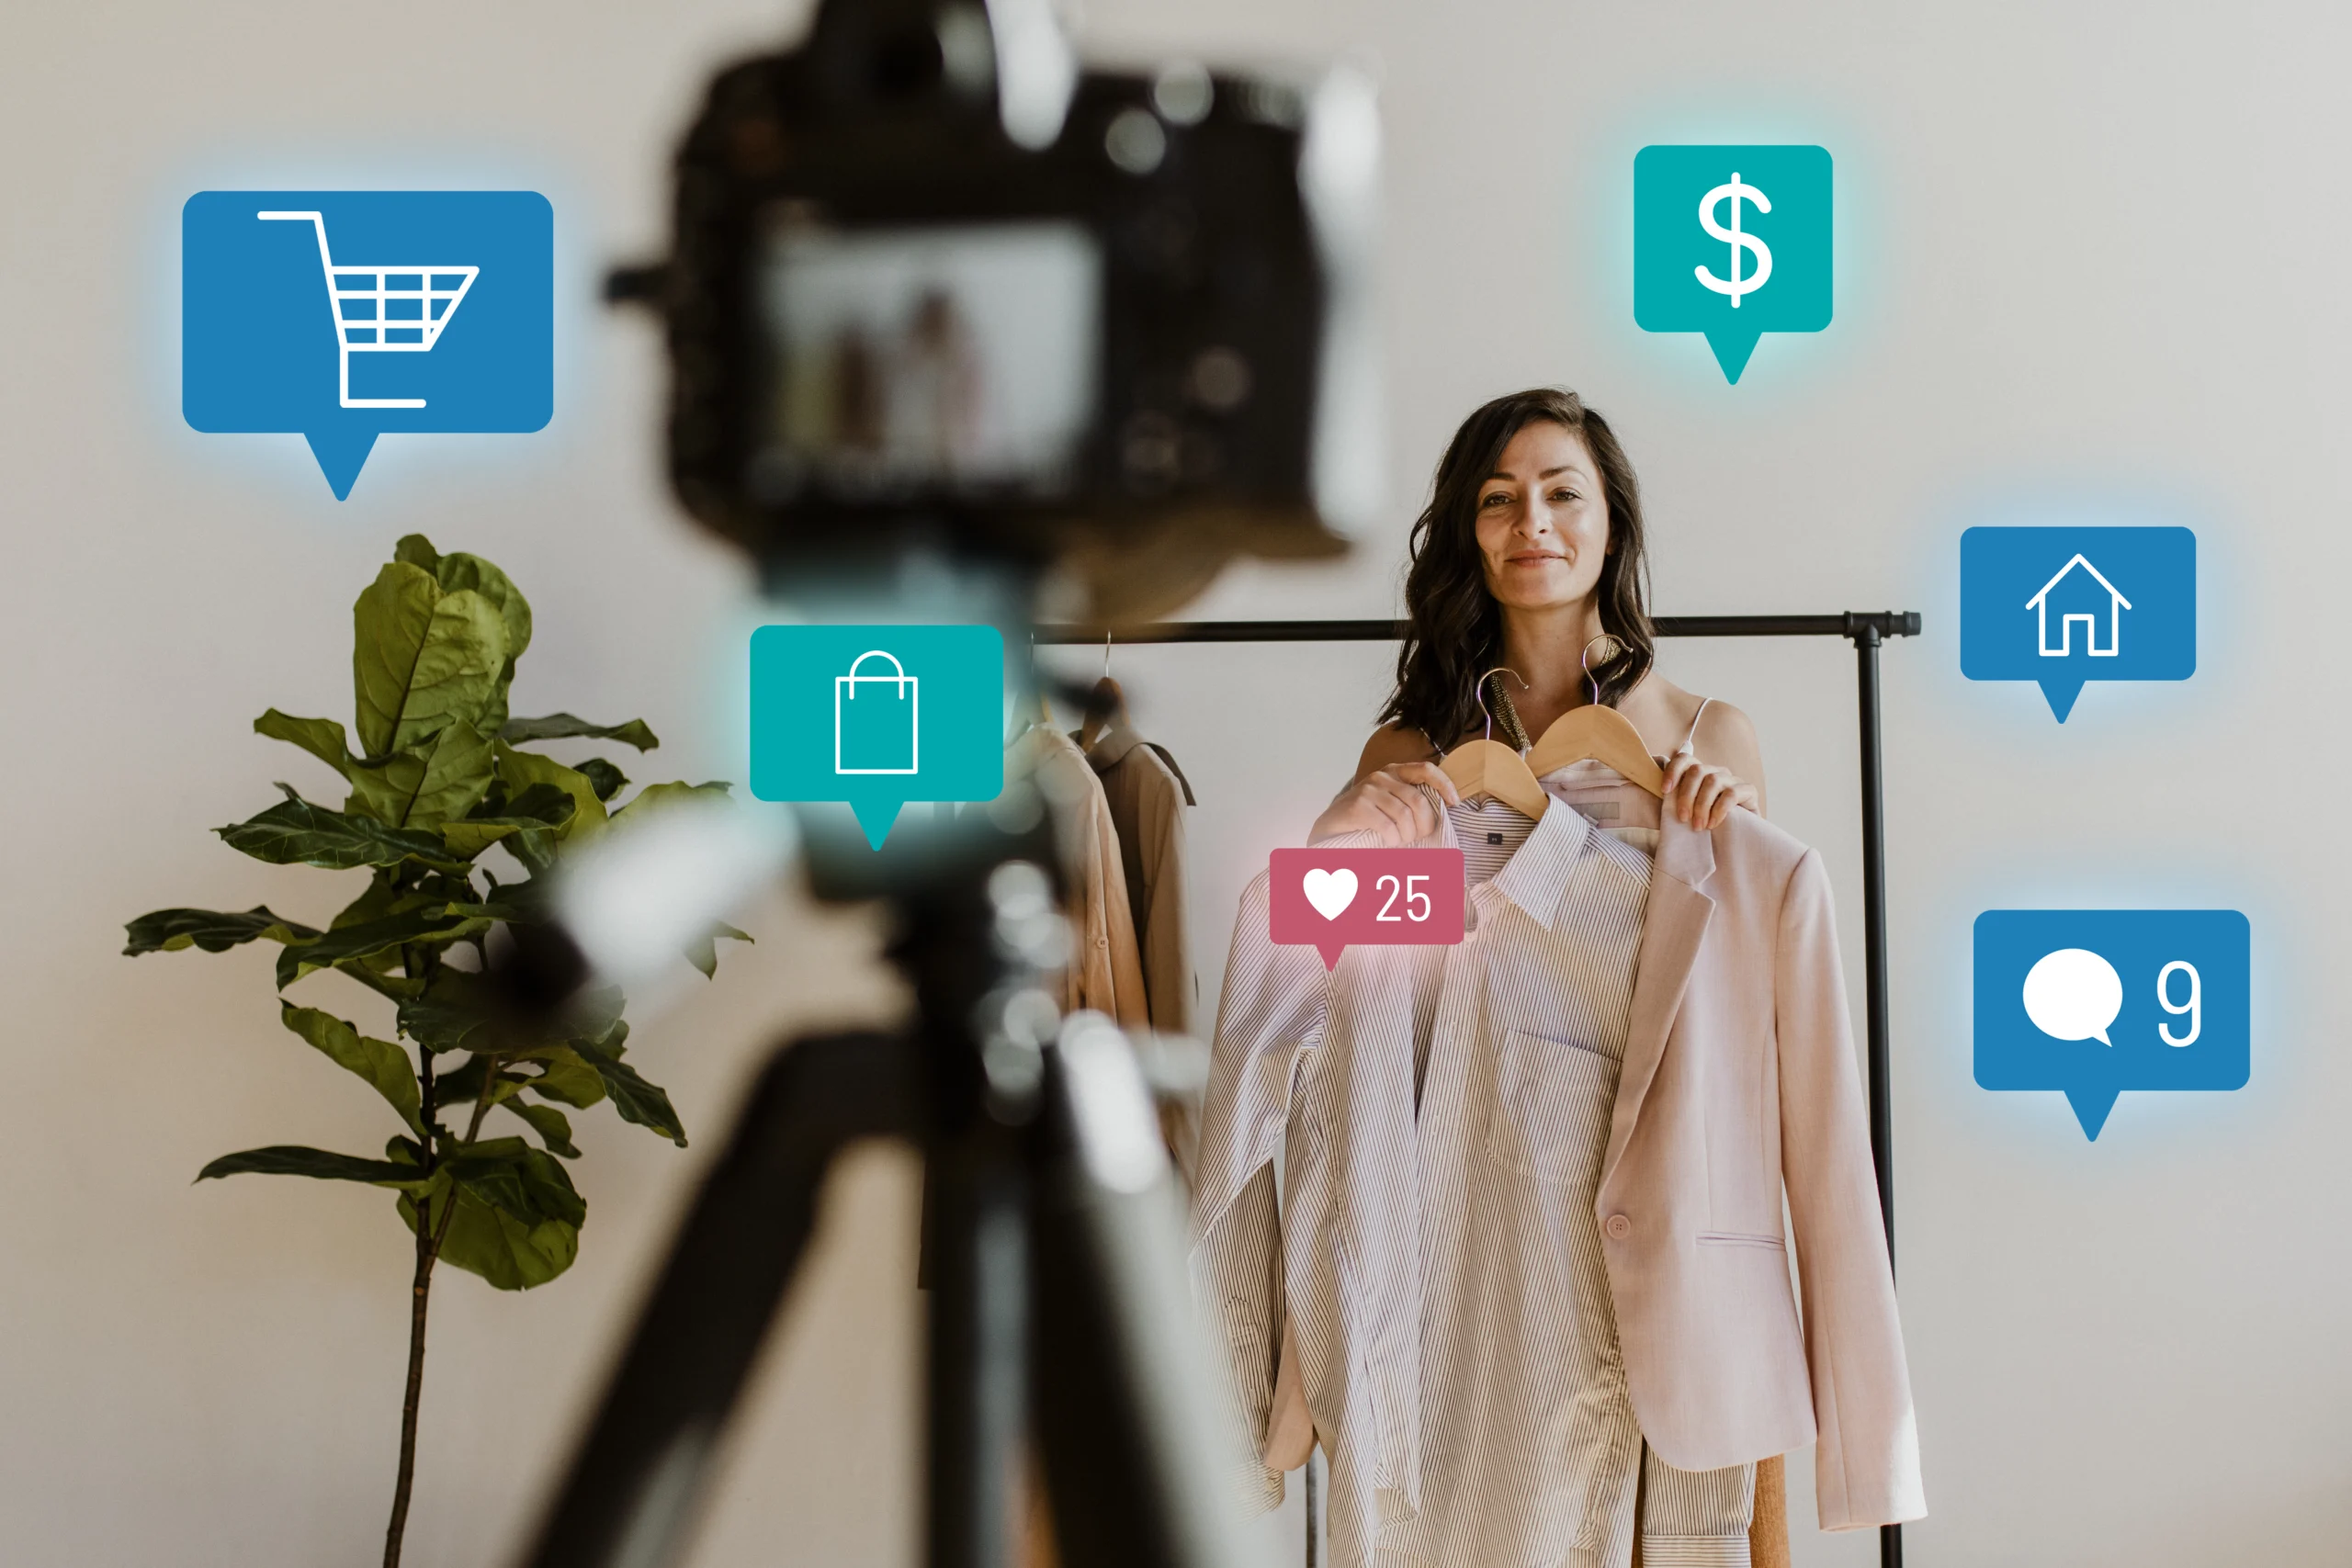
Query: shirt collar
[(1536, 876), (1112, 745)]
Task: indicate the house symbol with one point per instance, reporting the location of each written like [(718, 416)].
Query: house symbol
[(2079, 593)]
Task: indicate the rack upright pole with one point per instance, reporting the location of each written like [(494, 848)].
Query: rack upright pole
[(1865, 633)]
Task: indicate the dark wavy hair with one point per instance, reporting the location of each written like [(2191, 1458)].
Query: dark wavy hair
[(1454, 627)]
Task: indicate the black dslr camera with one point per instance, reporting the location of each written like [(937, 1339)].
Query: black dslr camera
[(934, 285)]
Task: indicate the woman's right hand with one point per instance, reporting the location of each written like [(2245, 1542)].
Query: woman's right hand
[(1388, 801)]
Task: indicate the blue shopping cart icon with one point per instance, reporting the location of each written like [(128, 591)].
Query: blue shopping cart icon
[(343, 315)]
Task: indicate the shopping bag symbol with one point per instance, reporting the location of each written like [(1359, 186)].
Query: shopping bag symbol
[(874, 726)]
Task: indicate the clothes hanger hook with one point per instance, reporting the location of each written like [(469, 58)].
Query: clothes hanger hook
[(1479, 691), (1610, 648)]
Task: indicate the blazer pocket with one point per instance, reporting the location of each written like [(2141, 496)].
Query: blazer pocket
[(1740, 1239), (1553, 1102)]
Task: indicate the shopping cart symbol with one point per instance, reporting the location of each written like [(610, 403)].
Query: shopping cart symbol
[(380, 309)]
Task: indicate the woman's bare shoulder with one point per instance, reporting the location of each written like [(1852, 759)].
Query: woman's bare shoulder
[(1392, 744), (1726, 737)]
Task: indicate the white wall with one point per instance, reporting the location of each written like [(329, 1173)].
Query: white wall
[(2087, 250)]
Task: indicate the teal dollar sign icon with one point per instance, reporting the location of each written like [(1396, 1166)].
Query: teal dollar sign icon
[(1735, 285), (1770, 205)]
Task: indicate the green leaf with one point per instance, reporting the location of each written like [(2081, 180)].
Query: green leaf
[(297, 832), (321, 738), (382, 897), (540, 805), (383, 1065), (416, 550), (635, 1098), (292, 1159), (451, 1015), (566, 1076), (458, 572), (703, 951), (422, 660), (608, 780), (565, 727), (518, 1217), (659, 797), (520, 771), (441, 777), (214, 930), (438, 924), (552, 1126)]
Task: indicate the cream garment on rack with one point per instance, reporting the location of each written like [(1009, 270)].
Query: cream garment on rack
[(1148, 794), (1106, 969), (1498, 1430)]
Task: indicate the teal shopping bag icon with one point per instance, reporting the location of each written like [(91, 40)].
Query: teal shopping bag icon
[(882, 734), (877, 716), (1731, 242)]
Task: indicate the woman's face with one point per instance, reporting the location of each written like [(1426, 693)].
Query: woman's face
[(1542, 520)]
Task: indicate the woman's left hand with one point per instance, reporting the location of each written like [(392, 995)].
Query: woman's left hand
[(1701, 794)]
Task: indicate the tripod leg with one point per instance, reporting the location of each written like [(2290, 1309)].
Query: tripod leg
[(979, 1340), (633, 1480), (1126, 1414)]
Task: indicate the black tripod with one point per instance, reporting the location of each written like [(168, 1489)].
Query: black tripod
[(1058, 1301)]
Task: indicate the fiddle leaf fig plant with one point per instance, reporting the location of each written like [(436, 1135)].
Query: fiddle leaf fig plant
[(441, 795)]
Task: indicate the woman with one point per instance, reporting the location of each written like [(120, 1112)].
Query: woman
[(1530, 556)]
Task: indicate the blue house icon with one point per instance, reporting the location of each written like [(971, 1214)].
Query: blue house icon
[(2079, 602)]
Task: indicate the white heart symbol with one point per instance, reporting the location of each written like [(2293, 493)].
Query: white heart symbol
[(1330, 891)]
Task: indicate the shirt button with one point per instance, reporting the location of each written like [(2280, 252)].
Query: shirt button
[(1617, 1227)]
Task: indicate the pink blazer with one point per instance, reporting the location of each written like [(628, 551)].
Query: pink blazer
[(1739, 1079)]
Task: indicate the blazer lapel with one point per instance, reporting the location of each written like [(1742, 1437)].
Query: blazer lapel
[(1673, 927)]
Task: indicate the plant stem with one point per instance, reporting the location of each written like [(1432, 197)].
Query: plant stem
[(427, 1249)]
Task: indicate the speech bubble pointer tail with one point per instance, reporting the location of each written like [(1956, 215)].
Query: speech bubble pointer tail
[(2061, 692), (2091, 1106), (1331, 952), (340, 452), (875, 817), (1732, 346)]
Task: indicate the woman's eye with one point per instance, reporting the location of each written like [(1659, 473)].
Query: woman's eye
[(1564, 496), (1497, 498)]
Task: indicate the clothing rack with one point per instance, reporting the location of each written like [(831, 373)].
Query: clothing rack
[(1866, 630)]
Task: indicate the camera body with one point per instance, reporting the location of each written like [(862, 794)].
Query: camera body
[(934, 287)]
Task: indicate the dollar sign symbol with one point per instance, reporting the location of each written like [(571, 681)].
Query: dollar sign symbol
[(1734, 193)]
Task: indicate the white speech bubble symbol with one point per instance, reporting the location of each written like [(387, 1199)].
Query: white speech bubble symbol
[(2074, 994)]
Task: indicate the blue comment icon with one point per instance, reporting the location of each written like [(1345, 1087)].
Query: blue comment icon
[(1734, 242), (2064, 605), (342, 315), (2091, 1002), (877, 716)]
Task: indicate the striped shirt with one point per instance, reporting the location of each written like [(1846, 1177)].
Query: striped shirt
[(1487, 1422)]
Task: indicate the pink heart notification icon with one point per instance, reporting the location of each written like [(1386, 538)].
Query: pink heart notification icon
[(1331, 898), (1330, 891)]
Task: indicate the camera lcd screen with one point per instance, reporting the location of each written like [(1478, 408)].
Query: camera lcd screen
[(905, 361)]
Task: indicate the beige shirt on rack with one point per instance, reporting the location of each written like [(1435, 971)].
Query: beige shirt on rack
[(1106, 968), (1148, 794)]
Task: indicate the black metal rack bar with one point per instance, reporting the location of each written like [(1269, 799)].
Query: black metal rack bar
[(1865, 628)]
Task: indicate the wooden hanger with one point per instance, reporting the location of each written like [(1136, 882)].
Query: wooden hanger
[(1107, 704), (1603, 735), (1488, 767)]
